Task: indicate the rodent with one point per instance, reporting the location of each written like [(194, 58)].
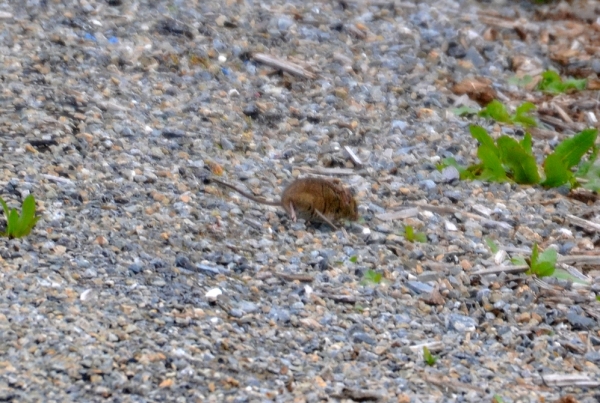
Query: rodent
[(312, 199)]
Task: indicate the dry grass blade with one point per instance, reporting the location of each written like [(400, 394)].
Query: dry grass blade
[(585, 224), (562, 113), (571, 260), (284, 65), (303, 278), (562, 380), (398, 215), (353, 156), (442, 210), (328, 171)]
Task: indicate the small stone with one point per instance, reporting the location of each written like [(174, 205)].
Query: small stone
[(450, 174), (220, 20), (450, 226), (419, 287), (428, 184), (362, 337), (473, 55), (523, 317), (580, 322), (212, 294), (596, 66), (461, 323)]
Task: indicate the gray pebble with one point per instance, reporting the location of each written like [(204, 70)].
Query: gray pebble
[(460, 323), (419, 287)]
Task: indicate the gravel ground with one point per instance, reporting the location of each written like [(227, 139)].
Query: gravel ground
[(143, 283)]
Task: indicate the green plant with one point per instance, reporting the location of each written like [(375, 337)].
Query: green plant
[(589, 171), (553, 84), (18, 226), (497, 111), (411, 236), (354, 259), (521, 81), (507, 159), (429, 358), (568, 154), (503, 160), (542, 264), (492, 245), (597, 297), (464, 111), (371, 277), (497, 399), (562, 274)]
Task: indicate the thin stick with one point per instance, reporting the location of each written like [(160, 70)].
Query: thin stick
[(284, 65)]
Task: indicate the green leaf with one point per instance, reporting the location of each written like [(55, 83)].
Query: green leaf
[(4, 206), (550, 255), (522, 115), (552, 83), (20, 225), (28, 211), (372, 277), (519, 261), (534, 255), (354, 259), (429, 358), (492, 245), (522, 165), (468, 174), (571, 150), (450, 161), (525, 121), (521, 81), (527, 144), (542, 265), (497, 399), (28, 218), (584, 167), (6, 214), (556, 173), (12, 222), (562, 274), (481, 135), (524, 108), (593, 178), (495, 110), (492, 166), (412, 236), (464, 111), (575, 84), (542, 269), (420, 237)]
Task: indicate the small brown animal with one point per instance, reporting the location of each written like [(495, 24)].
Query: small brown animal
[(312, 199)]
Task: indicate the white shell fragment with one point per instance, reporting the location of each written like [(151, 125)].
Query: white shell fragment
[(212, 294), (450, 226)]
